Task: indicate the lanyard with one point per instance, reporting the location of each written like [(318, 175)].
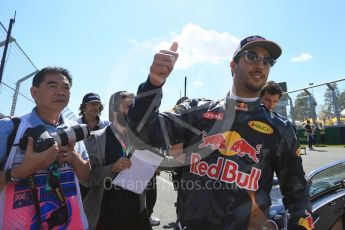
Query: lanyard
[(125, 149)]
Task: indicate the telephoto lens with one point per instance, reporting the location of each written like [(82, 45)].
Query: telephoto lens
[(44, 140), (75, 133)]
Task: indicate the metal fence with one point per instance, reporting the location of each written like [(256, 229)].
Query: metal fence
[(15, 98), (319, 102)]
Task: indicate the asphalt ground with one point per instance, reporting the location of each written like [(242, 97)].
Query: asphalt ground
[(165, 209)]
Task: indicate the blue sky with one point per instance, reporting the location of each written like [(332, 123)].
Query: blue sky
[(109, 45)]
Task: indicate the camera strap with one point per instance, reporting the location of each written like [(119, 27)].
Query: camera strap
[(53, 181), (59, 216), (35, 198)]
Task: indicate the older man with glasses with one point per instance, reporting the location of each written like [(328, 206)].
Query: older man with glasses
[(233, 145)]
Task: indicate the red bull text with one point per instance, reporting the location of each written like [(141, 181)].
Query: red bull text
[(227, 171)]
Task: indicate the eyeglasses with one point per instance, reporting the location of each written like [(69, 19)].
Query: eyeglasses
[(252, 58)]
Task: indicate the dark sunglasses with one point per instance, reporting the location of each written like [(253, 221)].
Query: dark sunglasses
[(252, 58)]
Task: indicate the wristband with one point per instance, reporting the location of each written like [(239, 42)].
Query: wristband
[(9, 177)]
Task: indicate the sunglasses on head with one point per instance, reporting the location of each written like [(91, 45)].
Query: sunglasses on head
[(252, 58)]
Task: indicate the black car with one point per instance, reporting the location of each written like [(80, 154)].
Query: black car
[(327, 192)]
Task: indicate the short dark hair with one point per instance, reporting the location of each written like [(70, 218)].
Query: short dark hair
[(39, 76), (272, 88), (82, 107)]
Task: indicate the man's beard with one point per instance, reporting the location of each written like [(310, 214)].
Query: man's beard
[(121, 119), (253, 88), (93, 113)]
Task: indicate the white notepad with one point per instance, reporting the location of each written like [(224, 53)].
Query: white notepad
[(136, 178)]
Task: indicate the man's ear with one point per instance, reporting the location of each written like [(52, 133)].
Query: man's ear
[(33, 91), (232, 67)]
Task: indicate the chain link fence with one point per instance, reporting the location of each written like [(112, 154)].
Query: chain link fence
[(15, 98)]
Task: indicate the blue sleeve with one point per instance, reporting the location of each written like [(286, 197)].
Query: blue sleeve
[(80, 148), (6, 127)]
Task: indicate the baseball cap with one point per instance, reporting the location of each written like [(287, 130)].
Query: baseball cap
[(91, 97), (258, 41)]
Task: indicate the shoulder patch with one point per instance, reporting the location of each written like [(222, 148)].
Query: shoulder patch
[(260, 127)]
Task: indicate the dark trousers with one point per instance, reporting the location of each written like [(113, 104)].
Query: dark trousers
[(151, 195), (310, 141)]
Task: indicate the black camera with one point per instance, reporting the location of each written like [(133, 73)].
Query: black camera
[(44, 140)]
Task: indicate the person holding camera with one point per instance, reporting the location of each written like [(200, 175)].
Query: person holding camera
[(108, 206), (42, 186)]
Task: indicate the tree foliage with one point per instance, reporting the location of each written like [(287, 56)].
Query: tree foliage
[(341, 101), (328, 107), (301, 106)]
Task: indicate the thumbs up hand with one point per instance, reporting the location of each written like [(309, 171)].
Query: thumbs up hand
[(162, 65)]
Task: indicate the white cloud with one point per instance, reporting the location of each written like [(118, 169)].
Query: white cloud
[(133, 41), (198, 84), (302, 57), (200, 45)]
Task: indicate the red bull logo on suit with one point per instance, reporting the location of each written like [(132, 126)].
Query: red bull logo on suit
[(231, 143)]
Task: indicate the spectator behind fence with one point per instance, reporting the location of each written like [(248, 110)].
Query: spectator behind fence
[(234, 142), (108, 206), (310, 134), (322, 129), (27, 200)]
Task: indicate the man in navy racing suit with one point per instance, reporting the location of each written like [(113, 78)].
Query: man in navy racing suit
[(233, 145)]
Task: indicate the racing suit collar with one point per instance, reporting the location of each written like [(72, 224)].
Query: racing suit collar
[(231, 95), (243, 104)]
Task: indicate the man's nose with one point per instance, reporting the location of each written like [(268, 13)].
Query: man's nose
[(61, 91)]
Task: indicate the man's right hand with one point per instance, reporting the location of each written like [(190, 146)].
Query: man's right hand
[(162, 65), (33, 161)]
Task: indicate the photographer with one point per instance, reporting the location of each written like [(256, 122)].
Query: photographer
[(42, 187)]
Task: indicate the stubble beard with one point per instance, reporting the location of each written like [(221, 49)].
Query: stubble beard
[(253, 88)]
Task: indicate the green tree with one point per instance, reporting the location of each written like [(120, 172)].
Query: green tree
[(341, 101), (301, 106), (328, 107)]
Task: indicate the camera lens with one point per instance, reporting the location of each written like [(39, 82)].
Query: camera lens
[(75, 133)]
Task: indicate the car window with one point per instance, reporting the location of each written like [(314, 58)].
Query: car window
[(327, 178)]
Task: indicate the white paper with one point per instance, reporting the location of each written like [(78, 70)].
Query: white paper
[(136, 178)]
